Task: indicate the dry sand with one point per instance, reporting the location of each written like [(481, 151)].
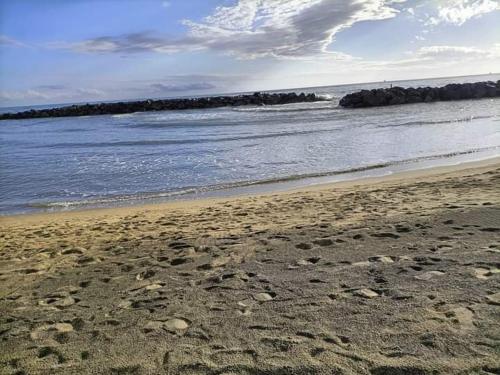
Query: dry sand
[(398, 275)]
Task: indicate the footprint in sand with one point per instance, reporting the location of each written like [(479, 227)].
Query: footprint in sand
[(429, 275), (179, 245), (492, 249), (74, 251), (485, 273), (462, 316), (303, 246), (282, 344), (46, 330), (376, 259), (366, 293), (175, 325), (125, 304), (385, 235), (146, 274), (490, 229), (59, 301), (382, 259), (215, 263), (154, 286), (308, 261), (30, 271), (85, 260), (426, 261), (244, 357), (46, 351), (494, 299), (181, 260), (323, 242), (364, 263), (264, 297), (246, 305), (337, 340)]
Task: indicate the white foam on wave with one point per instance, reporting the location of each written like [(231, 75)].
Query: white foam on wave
[(325, 96), (123, 115), (183, 116), (295, 107), (103, 201)]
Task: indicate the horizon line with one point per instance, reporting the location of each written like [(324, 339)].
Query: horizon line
[(244, 92)]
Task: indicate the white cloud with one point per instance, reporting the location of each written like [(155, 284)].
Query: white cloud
[(89, 91), (453, 52), (180, 87), (458, 12), (7, 41), (22, 95), (284, 28), (167, 85), (51, 93), (433, 57), (128, 43), (255, 28)]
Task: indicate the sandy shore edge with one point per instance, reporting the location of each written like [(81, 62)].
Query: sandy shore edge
[(393, 275), (456, 170)]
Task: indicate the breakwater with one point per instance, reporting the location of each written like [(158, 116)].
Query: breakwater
[(400, 95), (166, 104)]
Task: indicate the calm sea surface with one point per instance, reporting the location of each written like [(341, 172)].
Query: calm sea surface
[(78, 162)]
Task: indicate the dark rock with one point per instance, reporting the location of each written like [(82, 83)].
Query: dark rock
[(257, 98), (400, 95)]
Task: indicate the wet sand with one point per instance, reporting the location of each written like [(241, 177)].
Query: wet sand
[(394, 275)]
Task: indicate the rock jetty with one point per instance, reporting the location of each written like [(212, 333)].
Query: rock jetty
[(400, 95), (162, 105)]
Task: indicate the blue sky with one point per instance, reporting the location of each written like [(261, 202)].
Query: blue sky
[(55, 51)]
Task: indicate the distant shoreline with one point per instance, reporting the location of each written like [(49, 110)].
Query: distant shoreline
[(376, 97), (6, 108)]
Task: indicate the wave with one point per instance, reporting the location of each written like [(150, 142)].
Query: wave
[(111, 199), (206, 114), (327, 96), (197, 190), (69, 130), (163, 142), (451, 121), (192, 123), (285, 108), (124, 115)]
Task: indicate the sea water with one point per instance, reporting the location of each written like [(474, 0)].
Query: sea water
[(77, 162)]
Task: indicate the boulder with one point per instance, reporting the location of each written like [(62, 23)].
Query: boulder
[(400, 95), (256, 98)]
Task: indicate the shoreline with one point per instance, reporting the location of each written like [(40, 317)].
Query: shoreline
[(395, 274), (17, 219)]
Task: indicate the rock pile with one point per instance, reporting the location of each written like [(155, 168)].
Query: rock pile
[(167, 104), (400, 95)]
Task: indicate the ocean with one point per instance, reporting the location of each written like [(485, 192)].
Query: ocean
[(82, 162)]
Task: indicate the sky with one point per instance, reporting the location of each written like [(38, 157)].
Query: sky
[(57, 51)]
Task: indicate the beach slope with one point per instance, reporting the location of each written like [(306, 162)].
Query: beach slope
[(396, 275)]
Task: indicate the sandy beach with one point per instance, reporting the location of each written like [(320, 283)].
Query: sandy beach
[(393, 275)]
